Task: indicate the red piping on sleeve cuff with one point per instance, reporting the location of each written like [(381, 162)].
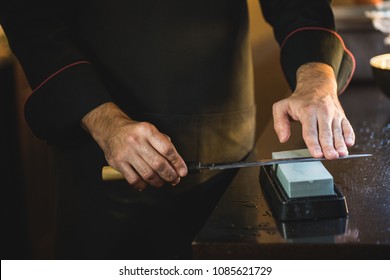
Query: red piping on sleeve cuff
[(335, 34), (59, 71)]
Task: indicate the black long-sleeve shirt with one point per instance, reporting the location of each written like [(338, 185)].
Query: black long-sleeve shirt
[(162, 61)]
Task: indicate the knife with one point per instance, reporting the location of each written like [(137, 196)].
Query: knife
[(109, 173), (194, 167)]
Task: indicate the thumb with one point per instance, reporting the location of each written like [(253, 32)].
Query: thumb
[(281, 120)]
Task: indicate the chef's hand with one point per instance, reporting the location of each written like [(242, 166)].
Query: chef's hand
[(138, 150), (325, 128)]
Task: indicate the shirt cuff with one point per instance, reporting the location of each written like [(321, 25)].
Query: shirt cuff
[(57, 105), (317, 44)]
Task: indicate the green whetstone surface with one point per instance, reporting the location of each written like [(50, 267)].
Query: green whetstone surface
[(303, 179)]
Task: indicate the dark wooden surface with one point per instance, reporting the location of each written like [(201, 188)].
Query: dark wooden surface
[(242, 225)]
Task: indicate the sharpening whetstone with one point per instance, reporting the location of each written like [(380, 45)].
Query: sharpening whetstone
[(304, 179)]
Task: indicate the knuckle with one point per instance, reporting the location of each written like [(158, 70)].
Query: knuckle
[(140, 187), (327, 143), (311, 140), (114, 159), (164, 171), (142, 130), (348, 130), (134, 180), (117, 157), (326, 134), (132, 139), (146, 127), (158, 183), (278, 125), (275, 106), (153, 179), (309, 109), (310, 134), (170, 177), (325, 114), (147, 174), (340, 145), (158, 165), (167, 149), (110, 160), (346, 122), (326, 111), (337, 131)]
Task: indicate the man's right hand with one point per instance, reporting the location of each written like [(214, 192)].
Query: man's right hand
[(138, 150)]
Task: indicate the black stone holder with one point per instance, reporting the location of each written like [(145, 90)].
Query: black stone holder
[(284, 208)]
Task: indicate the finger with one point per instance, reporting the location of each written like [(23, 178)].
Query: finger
[(147, 173), (177, 181), (310, 135), (158, 163), (326, 136), (281, 121), (338, 137), (168, 151), (132, 177), (169, 138), (349, 135)]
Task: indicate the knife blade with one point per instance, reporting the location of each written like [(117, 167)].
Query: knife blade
[(195, 167), (109, 173)]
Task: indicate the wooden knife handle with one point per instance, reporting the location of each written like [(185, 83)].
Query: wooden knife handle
[(110, 174)]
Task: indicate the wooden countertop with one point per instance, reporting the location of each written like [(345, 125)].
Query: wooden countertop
[(242, 225)]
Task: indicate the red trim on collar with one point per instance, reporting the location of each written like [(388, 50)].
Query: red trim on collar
[(59, 71), (335, 34)]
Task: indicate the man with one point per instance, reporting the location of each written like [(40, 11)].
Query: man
[(148, 85)]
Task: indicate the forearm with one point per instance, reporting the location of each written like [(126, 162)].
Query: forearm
[(102, 121), (316, 75)]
